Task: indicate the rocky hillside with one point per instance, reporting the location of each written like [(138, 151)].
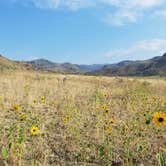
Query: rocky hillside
[(154, 66)]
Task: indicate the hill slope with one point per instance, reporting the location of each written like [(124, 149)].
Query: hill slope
[(154, 66), (7, 65)]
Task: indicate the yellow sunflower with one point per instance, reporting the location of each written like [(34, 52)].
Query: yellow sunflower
[(161, 100), (107, 129), (111, 122), (52, 103), (105, 108), (65, 119), (34, 101), (34, 130), (16, 107), (105, 95), (42, 99), (22, 117), (159, 118)]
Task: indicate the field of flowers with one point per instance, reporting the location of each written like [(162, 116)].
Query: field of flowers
[(68, 120)]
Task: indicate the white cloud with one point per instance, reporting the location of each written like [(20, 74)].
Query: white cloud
[(128, 4), (133, 3), (52, 4), (77, 4), (160, 14), (122, 17), (70, 4), (124, 11), (139, 50), (129, 11)]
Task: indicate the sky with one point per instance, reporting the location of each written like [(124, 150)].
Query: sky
[(82, 31)]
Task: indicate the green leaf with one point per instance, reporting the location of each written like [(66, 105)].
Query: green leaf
[(19, 140), (4, 152), (161, 159)]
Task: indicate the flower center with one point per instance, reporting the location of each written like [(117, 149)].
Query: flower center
[(161, 119)]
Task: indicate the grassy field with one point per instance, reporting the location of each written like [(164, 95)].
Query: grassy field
[(52, 120)]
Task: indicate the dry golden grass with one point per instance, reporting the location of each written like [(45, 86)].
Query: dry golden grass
[(51, 120)]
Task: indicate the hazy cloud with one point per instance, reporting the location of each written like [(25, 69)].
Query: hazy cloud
[(141, 50), (160, 14)]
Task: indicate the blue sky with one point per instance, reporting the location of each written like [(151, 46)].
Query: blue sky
[(82, 31)]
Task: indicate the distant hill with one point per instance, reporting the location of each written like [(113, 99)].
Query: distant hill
[(151, 67), (43, 64), (63, 67), (90, 68), (46, 66)]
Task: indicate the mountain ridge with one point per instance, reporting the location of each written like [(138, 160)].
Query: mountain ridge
[(64, 67), (150, 67)]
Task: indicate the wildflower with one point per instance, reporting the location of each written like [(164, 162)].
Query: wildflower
[(42, 99), (161, 100), (65, 119), (34, 101), (1, 97), (16, 107), (107, 129), (105, 95), (125, 129), (52, 103), (111, 122), (105, 109), (159, 118), (134, 124), (22, 117), (1, 104), (154, 98), (97, 108), (34, 130)]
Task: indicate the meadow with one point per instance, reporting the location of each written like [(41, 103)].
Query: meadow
[(71, 120)]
